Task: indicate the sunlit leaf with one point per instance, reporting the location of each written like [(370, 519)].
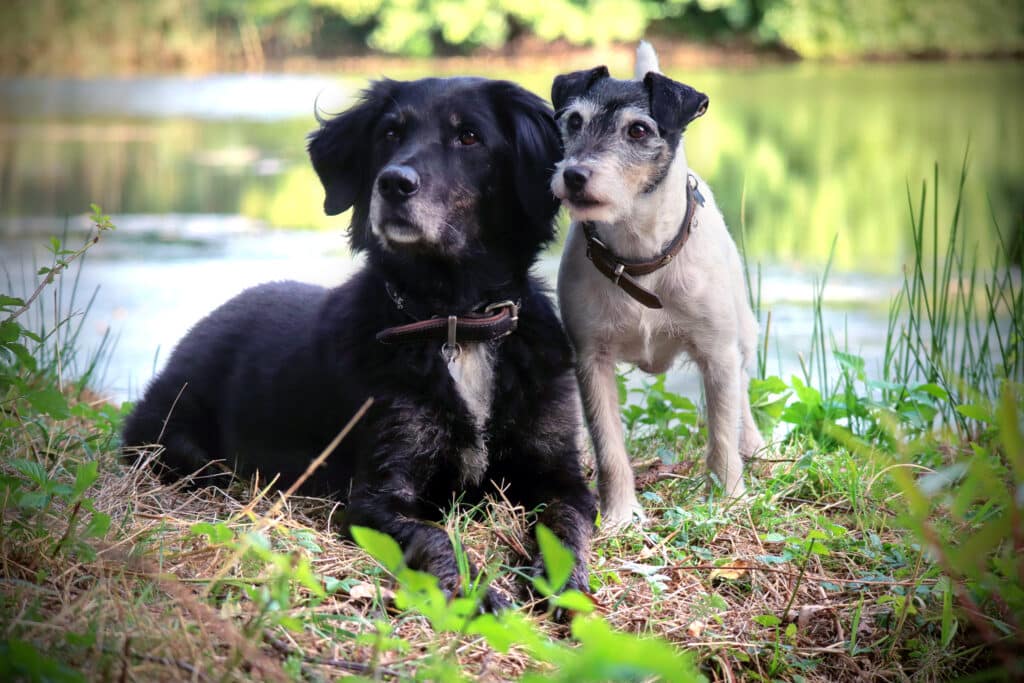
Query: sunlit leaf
[(573, 600), (558, 560), (976, 412), (31, 469), (380, 546), (218, 533), (9, 331), (86, 474), (934, 390), (49, 401), (98, 526)]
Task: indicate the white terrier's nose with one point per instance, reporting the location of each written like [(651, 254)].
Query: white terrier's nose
[(575, 177)]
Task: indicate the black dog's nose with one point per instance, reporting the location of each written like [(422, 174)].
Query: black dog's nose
[(398, 182), (575, 177)]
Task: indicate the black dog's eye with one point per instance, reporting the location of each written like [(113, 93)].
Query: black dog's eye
[(468, 138), (391, 134), (638, 131), (574, 122)]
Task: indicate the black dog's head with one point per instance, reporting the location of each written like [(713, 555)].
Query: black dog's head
[(441, 167)]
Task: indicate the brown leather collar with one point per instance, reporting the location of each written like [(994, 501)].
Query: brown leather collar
[(620, 270), (495, 321)]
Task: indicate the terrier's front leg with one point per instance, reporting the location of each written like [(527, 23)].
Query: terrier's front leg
[(751, 441), (721, 373), (619, 505)]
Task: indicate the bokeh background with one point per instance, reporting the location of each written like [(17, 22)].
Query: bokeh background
[(186, 121)]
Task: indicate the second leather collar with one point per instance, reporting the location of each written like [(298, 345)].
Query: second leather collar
[(621, 270)]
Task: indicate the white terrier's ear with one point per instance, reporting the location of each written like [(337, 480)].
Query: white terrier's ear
[(646, 61), (674, 104), (570, 86)]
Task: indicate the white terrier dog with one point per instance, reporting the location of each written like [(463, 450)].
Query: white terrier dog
[(649, 269)]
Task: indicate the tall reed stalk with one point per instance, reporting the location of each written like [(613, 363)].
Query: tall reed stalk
[(953, 324)]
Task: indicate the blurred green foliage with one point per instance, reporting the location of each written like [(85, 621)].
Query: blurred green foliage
[(69, 36), (850, 28)]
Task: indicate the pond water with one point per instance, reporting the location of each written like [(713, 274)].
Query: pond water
[(208, 183)]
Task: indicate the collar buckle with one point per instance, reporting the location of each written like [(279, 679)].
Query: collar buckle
[(513, 310)]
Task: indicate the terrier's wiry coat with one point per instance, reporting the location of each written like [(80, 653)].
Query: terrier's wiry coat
[(625, 173)]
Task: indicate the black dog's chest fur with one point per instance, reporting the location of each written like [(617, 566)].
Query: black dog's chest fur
[(294, 380)]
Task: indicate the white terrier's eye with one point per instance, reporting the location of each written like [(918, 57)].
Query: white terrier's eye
[(638, 131), (574, 122)]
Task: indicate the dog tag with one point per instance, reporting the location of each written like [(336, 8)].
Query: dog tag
[(450, 350)]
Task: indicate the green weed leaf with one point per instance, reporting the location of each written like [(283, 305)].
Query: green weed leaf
[(850, 362), (31, 469), (303, 573), (558, 560), (948, 620), (307, 540), (33, 500), (494, 632), (10, 301), (218, 533), (976, 412), (1010, 431), (807, 395), (24, 356), (20, 660), (380, 546), (933, 390), (9, 332), (49, 401), (98, 526), (574, 600), (86, 474), (605, 654)]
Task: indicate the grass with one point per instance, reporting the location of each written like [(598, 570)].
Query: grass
[(882, 539)]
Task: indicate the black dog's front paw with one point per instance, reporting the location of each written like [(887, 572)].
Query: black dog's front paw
[(491, 601), (494, 602), (579, 580)]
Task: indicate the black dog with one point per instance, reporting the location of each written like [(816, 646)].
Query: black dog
[(444, 327)]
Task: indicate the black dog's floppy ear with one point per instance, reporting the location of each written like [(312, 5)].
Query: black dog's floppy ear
[(339, 150), (568, 86), (536, 147), (673, 104)]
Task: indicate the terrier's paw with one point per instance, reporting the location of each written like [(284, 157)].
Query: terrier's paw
[(616, 518), (737, 489), (751, 445)]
